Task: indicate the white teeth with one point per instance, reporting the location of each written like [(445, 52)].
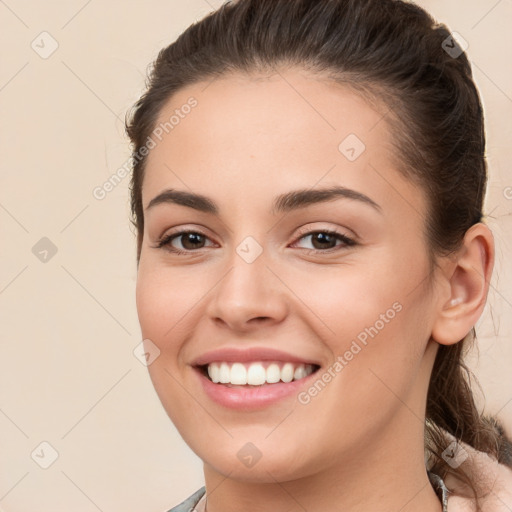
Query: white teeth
[(299, 372), (287, 372), (273, 373), (213, 372), (238, 374), (225, 373), (255, 374)]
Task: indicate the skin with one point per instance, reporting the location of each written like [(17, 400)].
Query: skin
[(249, 139), (494, 485)]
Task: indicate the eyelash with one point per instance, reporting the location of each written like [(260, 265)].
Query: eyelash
[(165, 242)]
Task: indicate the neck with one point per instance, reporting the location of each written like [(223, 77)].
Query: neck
[(388, 476)]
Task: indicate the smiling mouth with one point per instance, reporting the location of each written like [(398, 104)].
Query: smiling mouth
[(255, 374)]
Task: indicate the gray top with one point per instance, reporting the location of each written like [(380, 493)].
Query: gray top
[(189, 505)]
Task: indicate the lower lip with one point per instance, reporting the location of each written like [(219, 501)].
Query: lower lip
[(251, 397)]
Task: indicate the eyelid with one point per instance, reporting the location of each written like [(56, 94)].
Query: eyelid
[(182, 229), (165, 241), (346, 241), (307, 230)]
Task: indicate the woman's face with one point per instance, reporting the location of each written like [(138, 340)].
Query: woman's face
[(264, 274)]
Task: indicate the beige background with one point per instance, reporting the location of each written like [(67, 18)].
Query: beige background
[(68, 374)]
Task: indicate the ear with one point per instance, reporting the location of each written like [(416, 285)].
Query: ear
[(467, 279)]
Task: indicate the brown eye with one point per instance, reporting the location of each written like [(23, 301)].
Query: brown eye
[(189, 240), (323, 241)]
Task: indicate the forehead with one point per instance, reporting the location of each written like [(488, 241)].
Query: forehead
[(265, 133), (292, 104)]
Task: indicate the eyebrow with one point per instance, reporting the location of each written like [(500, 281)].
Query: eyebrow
[(283, 203)]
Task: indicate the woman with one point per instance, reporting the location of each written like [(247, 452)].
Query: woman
[(308, 191)]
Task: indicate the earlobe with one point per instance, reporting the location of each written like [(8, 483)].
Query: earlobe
[(468, 283)]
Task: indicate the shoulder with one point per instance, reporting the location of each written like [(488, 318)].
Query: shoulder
[(189, 504), (494, 485)]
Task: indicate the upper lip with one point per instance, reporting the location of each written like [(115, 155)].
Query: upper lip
[(232, 354)]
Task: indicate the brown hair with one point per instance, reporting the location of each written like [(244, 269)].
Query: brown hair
[(393, 52)]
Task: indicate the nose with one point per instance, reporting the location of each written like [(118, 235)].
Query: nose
[(248, 296)]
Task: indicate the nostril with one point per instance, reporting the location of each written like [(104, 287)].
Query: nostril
[(260, 319)]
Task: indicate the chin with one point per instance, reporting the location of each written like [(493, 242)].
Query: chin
[(277, 465)]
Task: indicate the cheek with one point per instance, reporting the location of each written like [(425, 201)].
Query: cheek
[(165, 299), (162, 305), (347, 299), (375, 318)]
